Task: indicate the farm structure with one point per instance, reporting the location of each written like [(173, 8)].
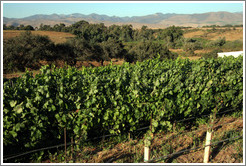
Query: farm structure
[(235, 54)]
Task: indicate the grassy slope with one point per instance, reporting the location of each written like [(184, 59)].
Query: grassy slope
[(125, 150), (57, 37), (202, 33), (132, 150)]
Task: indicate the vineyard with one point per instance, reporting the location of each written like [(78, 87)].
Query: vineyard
[(115, 99)]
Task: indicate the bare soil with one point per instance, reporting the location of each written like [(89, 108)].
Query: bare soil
[(230, 35), (56, 37), (163, 144)]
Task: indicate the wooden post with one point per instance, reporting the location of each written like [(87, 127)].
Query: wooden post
[(147, 143), (207, 148), (209, 138), (72, 149), (146, 153), (65, 141)]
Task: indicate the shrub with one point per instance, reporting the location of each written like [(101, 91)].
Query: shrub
[(26, 51), (148, 50), (217, 43), (233, 45), (192, 45), (212, 54)]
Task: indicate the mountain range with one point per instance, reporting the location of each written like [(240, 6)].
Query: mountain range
[(157, 20)]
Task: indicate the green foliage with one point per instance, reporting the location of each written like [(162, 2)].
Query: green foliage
[(81, 48), (111, 48), (171, 35), (212, 54), (217, 43), (26, 51), (66, 53), (104, 51), (233, 45), (191, 45), (143, 34), (148, 50), (20, 27), (115, 99)]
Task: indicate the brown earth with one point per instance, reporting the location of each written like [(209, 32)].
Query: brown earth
[(132, 150), (56, 37), (230, 35), (60, 37)]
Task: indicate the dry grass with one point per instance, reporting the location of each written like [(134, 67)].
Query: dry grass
[(56, 37), (194, 34), (230, 35), (181, 51), (132, 150)]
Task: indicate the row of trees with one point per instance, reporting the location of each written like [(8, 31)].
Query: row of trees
[(96, 42), (227, 25), (28, 51), (124, 33), (20, 27)]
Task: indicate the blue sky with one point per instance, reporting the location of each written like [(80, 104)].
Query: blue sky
[(20, 10)]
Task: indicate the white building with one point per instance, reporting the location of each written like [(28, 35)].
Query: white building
[(235, 54)]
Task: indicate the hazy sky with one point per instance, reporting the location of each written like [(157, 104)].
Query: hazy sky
[(117, 8)]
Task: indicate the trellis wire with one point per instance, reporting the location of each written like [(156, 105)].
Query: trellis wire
[(61, 145)]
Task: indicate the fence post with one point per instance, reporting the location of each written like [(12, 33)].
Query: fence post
[(146, 153), (65, 141), (207, 148), (72, 149), (209, 137), (147, 142)]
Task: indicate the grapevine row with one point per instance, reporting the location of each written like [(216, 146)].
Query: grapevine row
[(115, 99)]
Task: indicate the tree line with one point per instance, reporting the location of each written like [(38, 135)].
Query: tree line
[(94, 42), (97, 42), (20, 27), (227, 25)]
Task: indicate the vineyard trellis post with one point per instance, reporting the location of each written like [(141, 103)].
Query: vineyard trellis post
[(72, 149), (207, 148), (146, 153), (65, 141), (147, 142), (209, 136)]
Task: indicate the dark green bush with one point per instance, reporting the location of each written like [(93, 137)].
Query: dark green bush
[(26, 51)]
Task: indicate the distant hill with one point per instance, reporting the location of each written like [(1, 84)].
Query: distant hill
[(157, 20)]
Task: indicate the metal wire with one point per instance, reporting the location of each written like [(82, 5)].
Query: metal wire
[(168, 156), (193, 131), (36, 150), (61, 145), (207, 115)]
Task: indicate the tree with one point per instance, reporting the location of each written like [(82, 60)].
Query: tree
[(114, 31), (143, 34), (172, 34), (65, 52), (45, 27), (21, 27), (96, 51), (82, 49), (5, 27), (26, 51), (148, 50), (111, 48), (28, 27), (126, 33)]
